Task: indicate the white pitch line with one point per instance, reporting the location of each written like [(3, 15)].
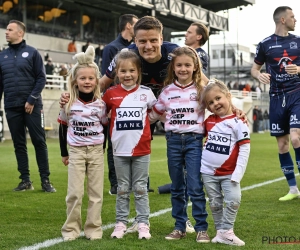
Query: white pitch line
[(52, 242)]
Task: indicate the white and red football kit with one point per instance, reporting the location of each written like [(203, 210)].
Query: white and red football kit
[(222, 154), (129, 124), (183, 111), (85, 122)]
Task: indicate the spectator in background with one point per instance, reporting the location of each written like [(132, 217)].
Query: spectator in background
[(98, 55), (229, 86), (84, 47), (63, 72), (241, 58), (260, 121), (49, 68), (266, 121), (258, 91), (22, 80), (255, 119), (72, 46), (235, 86), (196, 36)]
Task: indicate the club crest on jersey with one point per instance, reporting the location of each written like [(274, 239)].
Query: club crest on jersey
[(94, 112), (285, 60), (143, 98), (193, 97), (293, 45)]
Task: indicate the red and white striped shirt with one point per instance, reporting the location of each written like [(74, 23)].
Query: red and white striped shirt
[(183, 111), (129, 124), (85, 123)]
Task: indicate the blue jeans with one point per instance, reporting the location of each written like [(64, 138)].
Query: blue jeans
[(221, 190), (132, 175), (186, 149)]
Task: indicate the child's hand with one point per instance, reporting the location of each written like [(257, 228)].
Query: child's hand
[(65, 160), (240, 114), (64, 99)]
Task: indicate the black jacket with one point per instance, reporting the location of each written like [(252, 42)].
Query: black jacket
[(22, 75)]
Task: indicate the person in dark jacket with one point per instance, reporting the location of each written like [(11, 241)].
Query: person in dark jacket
[(22, 79)]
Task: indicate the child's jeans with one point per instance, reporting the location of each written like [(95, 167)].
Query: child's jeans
[(132, 175), (220, 190)]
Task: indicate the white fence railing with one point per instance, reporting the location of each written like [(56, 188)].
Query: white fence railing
[(243, 94), (54, 81)]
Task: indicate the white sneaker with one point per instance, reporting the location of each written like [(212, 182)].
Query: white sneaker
[(217, 238), (189, 227), (133, 228), (228, 237), (144, 231), (120, 230)]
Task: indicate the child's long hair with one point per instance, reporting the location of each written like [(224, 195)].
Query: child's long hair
[(196, 78), (126, 54), (212, 84), (84, 60)]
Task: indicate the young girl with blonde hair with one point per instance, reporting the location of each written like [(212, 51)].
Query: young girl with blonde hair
[(81, 127), (224, 160)]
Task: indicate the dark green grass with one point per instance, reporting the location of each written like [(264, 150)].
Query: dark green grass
[(31, 217)]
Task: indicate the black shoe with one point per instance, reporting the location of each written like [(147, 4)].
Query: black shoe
[(47, 187), (24, 185), (113, 190), (150, 190)]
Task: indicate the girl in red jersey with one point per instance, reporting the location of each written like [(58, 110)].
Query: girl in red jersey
[(129, 103), (224, 160), (81, 127)]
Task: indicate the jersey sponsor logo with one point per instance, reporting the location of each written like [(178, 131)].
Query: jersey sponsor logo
[(129, 118), (76, 110), (294, 120), (174, 97), (275, 129), (80, 128), (178, 115), (218, 143), (275, 46), (116, 98)]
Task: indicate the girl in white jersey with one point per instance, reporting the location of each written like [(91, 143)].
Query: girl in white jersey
[(224, 160), (81, 128), (180, 101), (129, 103)]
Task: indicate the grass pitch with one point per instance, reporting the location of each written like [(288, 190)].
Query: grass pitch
[(33, 217)]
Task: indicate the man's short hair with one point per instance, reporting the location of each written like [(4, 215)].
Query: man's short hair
[(148, 23), (278, 13), (124, 19), (20, 25), (203, 31)]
